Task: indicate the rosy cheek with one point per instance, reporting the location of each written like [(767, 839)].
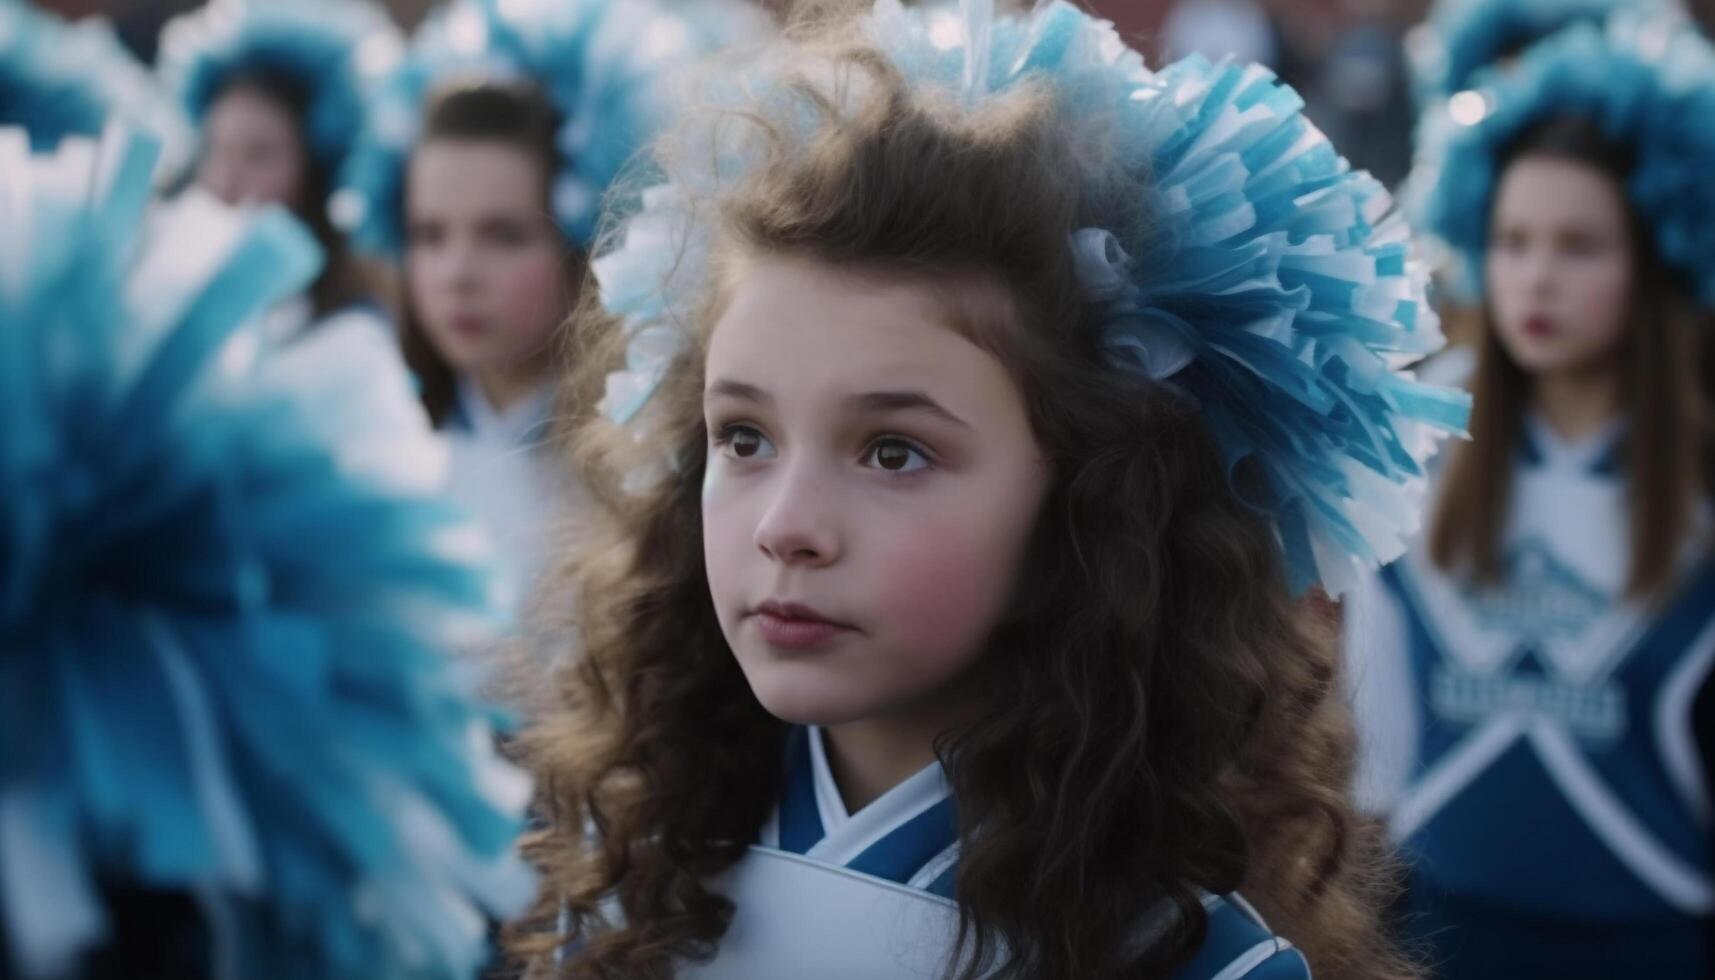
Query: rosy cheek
[(426, 285), (726, 536), (1597, 305), (941, 586), (530, 292)]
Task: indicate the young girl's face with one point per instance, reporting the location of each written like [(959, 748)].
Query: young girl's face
[(871, 484), (482, 260), (252, 152), (1559, 266)]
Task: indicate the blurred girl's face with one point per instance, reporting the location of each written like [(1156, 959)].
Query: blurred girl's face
[(483, 261), (1559, 266), (253, 152)]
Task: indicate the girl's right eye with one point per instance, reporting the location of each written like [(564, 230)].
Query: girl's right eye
[(1511, 241), (744, 442)]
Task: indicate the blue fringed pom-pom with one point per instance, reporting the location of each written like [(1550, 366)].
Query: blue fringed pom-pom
[(228, 593), (1279, 290), (1460, 38), (606, 66), (332, 50), (59, 79), (1648, 83)]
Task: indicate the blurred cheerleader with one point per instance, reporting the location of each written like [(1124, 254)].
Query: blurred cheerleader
[(483, 168), (1458, 40), (278, 89), (1529, 671)]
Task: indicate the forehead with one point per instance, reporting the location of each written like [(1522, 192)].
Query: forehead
[(805, 326), (1549, 192), (454, 178), (242, 111)]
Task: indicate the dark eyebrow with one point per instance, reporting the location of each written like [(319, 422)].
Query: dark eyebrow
[(904, 401), (739, 390)]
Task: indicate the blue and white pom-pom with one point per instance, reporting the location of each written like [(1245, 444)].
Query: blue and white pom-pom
[(59, 79), (1280, 298), (1649, 84), (227, 593), (606, 66), (331, 50), (1462, 37)]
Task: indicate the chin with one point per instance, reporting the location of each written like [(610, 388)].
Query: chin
[(792, 700), (1537, 357), (1557, 363), (809, 710), (457, 355)]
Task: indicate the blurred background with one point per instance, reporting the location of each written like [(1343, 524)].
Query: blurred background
[(477, 346), (1346, 56)]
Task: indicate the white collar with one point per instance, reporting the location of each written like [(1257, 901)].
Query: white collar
[(1558, 453), (518, 424), (846, 835)]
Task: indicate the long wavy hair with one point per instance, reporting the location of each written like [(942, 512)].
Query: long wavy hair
[(1165, 719)]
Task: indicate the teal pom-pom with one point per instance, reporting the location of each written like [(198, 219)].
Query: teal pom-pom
[(228, 592), (1648, 83), (59, 79)]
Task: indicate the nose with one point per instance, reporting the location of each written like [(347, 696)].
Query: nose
[(800, 526), (458, 264), (220, 178), (1542, 272)]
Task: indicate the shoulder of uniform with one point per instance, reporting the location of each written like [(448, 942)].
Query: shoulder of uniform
[(1240, 945)]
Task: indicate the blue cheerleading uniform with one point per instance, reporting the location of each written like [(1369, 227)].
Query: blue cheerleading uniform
[(833, 894), (1533, 743)]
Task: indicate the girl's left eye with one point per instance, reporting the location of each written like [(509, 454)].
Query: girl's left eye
[(895, 455)]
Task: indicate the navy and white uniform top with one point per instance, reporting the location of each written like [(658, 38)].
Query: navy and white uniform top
[(838, 895), (1532, 742)]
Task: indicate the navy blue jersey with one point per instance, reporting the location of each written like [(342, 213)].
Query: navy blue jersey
[(909, 836), (855, 896), (1532, 741)]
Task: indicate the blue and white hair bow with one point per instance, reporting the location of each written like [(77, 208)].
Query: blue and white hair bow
[(1460, 38), (1281, 296)]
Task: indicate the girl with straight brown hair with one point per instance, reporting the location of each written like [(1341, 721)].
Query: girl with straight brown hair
[(486, 155), (1528, 674)]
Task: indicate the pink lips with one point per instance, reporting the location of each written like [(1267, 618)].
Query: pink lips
[(469, 326), (1540, 327), (791, 626)]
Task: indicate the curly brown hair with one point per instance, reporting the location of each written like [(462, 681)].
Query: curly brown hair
[(1165, 719)]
